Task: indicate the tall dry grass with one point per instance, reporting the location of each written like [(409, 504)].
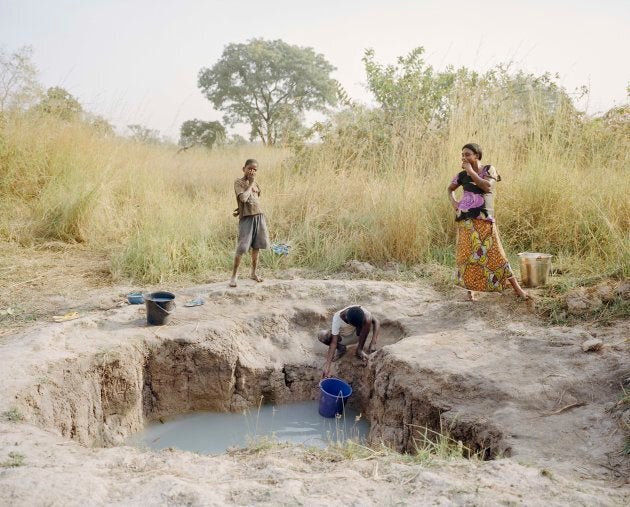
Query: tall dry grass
[(374, 190), (161, 214), (565, 186)]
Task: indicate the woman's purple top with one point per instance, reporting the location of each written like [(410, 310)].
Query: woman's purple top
[(471, 200)]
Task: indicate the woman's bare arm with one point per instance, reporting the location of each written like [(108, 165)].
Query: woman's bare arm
[(451, 194), (478, 180)]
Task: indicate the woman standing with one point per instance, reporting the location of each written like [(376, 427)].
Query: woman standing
[(481, 261)]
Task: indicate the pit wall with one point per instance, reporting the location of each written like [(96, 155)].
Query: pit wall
[(183, 377), (102, 399), (95, 400), (400, 402)]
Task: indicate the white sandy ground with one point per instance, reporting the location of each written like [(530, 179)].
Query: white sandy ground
[(489, 361)]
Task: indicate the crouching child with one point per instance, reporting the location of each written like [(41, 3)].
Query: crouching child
[(349, 325)]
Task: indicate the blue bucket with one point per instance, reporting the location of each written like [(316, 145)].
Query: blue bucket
[(135, 298), (333, 395)]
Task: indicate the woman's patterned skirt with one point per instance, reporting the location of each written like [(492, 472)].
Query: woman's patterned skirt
[(481, 261)]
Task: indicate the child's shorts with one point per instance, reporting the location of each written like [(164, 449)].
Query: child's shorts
[(252, 233)]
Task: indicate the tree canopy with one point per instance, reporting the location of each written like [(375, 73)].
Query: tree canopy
[(19, 87), (59, 102), (413, 88), (268, 84), (142, 134), (201, 133)]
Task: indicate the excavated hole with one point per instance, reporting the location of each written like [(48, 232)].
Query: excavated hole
[(100, 400)]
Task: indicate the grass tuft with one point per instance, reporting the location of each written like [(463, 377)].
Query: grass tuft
[(14, 415), (15, 459)]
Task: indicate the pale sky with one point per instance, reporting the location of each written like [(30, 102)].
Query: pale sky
[(137, 61)]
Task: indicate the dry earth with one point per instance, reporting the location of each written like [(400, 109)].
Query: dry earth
[(522, 393)]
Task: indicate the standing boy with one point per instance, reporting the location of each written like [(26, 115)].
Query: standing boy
[(350, 325), (252, 229)]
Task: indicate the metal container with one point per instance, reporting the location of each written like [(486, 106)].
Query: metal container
[(535, 268)]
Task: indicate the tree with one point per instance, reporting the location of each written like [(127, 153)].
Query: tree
[(19, 87), (100, 124), (201, 133), (60, 103), (268, 84), (411, 87), (237, 140), (142, 134)]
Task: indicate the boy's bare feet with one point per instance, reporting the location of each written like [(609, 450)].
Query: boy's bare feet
[(233, 281), (256, 278)]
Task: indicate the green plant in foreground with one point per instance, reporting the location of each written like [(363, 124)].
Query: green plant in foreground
[(14, 415), (424, 453), (261, 443), (429, 444), (15, 459)]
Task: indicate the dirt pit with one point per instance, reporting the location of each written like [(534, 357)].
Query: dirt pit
[(490, 374)]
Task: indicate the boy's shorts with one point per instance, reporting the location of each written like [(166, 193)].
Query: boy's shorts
[(325, 336), (252, 233)]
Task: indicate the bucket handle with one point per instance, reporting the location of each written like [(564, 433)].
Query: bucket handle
[(164, 310), (343, 401)]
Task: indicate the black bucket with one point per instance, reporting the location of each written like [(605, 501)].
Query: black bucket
[(159, 305)]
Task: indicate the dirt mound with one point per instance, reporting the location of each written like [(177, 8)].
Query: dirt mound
[(587, 300)]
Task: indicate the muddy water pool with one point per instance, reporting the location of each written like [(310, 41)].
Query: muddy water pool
[(213, 433)]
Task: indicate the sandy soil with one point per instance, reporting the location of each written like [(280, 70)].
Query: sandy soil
[(491, 372)]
